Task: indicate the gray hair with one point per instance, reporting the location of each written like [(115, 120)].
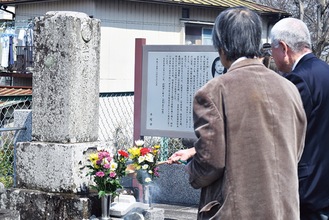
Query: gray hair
[(293, 32), (237, 31)]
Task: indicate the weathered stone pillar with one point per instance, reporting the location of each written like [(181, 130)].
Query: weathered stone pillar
[(65, 102), (66, 78), (64, 119)]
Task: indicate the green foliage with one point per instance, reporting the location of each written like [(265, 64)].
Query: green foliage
[(7, 181), (6, 165), (106, 186), (175, 144)]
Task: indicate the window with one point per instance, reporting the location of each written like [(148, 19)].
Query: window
[(198, 35), (185, 13), (206, 36)]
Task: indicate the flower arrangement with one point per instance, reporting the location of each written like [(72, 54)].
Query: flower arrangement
[(144, 161), (107, 170)]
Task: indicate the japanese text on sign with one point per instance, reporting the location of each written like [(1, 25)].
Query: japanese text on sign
[(172, 79)]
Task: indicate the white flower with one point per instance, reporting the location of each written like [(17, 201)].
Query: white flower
[(145, 166), (113, 166), (150, 171), (149, 157), (139, 143), (141, 159), (148, 179)]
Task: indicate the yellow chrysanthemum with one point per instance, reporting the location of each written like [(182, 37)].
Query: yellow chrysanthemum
[(134, 151), (93, 159), (157, 146)]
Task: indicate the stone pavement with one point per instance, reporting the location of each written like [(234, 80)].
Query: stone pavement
[(178, 212), (125, 207), (161, 212)]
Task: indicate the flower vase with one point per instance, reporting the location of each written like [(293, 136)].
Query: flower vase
[(106, 205), (147, 195)]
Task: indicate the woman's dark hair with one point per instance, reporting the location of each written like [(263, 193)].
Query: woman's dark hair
[(237, 31), (213, 67)]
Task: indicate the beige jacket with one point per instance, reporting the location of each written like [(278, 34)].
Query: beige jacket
[(250, 124)]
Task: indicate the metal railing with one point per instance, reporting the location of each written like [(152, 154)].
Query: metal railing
[(116, 115)]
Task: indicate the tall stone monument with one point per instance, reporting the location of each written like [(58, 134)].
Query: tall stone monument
[(64, 119), (66, 78)]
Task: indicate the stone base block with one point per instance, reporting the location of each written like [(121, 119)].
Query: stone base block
[(54, 167), (38, 205), (7, 214), (173, 186)]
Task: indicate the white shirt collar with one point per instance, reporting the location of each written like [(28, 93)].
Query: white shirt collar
[(238, 60), (299, 58)]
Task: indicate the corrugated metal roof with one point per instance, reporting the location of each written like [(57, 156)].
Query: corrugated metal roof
[(10, 96), (14, 91), (262, 9), (226, 4)]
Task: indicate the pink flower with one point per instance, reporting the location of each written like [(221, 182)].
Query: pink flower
[(100, 174), (103, 154), (109, 158), (107, 166), (113, 174)]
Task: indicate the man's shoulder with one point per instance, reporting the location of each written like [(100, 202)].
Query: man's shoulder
[(310, 64), (310, 59)]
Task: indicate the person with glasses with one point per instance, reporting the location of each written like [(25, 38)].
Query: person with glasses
[(292, 53)]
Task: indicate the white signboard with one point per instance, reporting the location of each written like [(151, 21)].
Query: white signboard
[(171, 75)]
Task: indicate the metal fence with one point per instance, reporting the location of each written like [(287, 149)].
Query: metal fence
[(116, 118), (9, 133), (116, 115)]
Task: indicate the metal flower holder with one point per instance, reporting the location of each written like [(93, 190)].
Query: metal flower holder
[(106, 205)]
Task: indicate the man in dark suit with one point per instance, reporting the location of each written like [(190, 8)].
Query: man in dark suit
[(291, 50)]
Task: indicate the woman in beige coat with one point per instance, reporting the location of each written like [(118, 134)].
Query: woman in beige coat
[(250, 128)]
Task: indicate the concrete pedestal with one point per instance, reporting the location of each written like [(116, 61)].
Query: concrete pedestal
[(7, 214), (53, 167), (38, 205)]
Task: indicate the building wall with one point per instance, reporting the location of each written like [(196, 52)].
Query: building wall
[(122, 22), (5, 15)]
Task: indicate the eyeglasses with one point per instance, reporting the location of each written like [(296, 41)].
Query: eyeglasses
[(275, 44)]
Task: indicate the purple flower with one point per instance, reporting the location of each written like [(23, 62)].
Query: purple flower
[(156, 173)]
